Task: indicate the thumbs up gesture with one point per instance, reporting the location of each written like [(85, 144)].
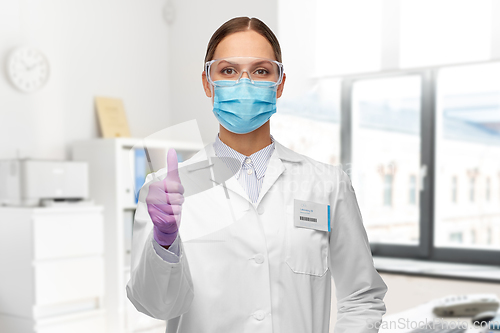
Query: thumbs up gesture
[(164, 201)]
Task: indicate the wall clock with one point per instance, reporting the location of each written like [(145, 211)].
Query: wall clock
[(27, 68)]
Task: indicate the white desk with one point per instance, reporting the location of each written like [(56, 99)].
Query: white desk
[(408, 320), (490, 273)]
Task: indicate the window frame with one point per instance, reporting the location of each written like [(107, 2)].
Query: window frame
[(426, 196)]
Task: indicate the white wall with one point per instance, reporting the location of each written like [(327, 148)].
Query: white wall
[(109, 48), (194, 24), (113, 48), (297, 36)]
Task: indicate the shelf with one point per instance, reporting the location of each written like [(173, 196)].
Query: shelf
[(112, 181), (138, 142), (51, 210)]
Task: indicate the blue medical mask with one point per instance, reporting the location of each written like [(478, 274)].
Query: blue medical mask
[(244, 107)]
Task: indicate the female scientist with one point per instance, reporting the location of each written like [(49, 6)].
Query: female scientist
[(257, 253)]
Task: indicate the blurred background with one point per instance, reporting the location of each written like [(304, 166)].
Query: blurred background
[(405, 95)]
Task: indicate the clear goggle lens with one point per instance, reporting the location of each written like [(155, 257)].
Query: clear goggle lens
[(228, 71)]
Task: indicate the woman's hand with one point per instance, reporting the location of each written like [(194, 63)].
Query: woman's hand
[(164, 201)]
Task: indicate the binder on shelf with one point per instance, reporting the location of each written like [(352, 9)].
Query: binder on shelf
[(141, 166)]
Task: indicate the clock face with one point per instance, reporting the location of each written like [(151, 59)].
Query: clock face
[(28, 69)]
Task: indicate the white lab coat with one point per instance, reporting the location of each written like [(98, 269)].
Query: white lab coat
[(256, 272)]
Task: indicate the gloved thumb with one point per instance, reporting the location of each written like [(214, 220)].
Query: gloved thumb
[(172, 166)]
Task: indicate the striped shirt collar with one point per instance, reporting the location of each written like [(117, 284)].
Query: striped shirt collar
[(260, 158)]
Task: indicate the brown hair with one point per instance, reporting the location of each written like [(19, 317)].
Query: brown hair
[(238, 24)]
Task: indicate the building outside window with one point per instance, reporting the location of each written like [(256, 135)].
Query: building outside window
[(454, 182), (413, 190), (488, 189), (456, 237)]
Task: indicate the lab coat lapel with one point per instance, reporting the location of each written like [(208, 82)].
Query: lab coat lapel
[(274, 169), (232, 183)]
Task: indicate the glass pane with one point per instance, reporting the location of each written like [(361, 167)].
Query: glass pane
[(467, 200), (310, 123), (386, 157), (445, 31)]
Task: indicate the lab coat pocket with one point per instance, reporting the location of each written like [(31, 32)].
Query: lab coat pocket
[(306, 250)]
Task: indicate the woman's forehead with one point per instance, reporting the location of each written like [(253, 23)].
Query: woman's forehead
[(244, 44)]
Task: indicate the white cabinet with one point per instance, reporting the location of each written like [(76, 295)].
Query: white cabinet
[(112, 185), (88, 241), (62, 281), (84, 322), (52, 276)]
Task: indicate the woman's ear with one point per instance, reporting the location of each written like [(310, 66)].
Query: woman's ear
[(206, 84), (280, 87)]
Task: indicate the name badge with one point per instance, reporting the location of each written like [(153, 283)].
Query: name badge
[(311, 215)]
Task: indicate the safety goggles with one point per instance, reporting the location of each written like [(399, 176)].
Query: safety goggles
[(228, 71)]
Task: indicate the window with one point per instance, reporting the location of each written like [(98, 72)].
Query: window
[(413, 190), (437, 123), (383, 118), (454, 182), (468, 144), (488, 189), (387, 190), (385, 136), (456, 237), (454, 31), (309, 123), (472, 188)]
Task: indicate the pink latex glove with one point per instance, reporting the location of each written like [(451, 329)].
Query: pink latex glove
[(164, 200)]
